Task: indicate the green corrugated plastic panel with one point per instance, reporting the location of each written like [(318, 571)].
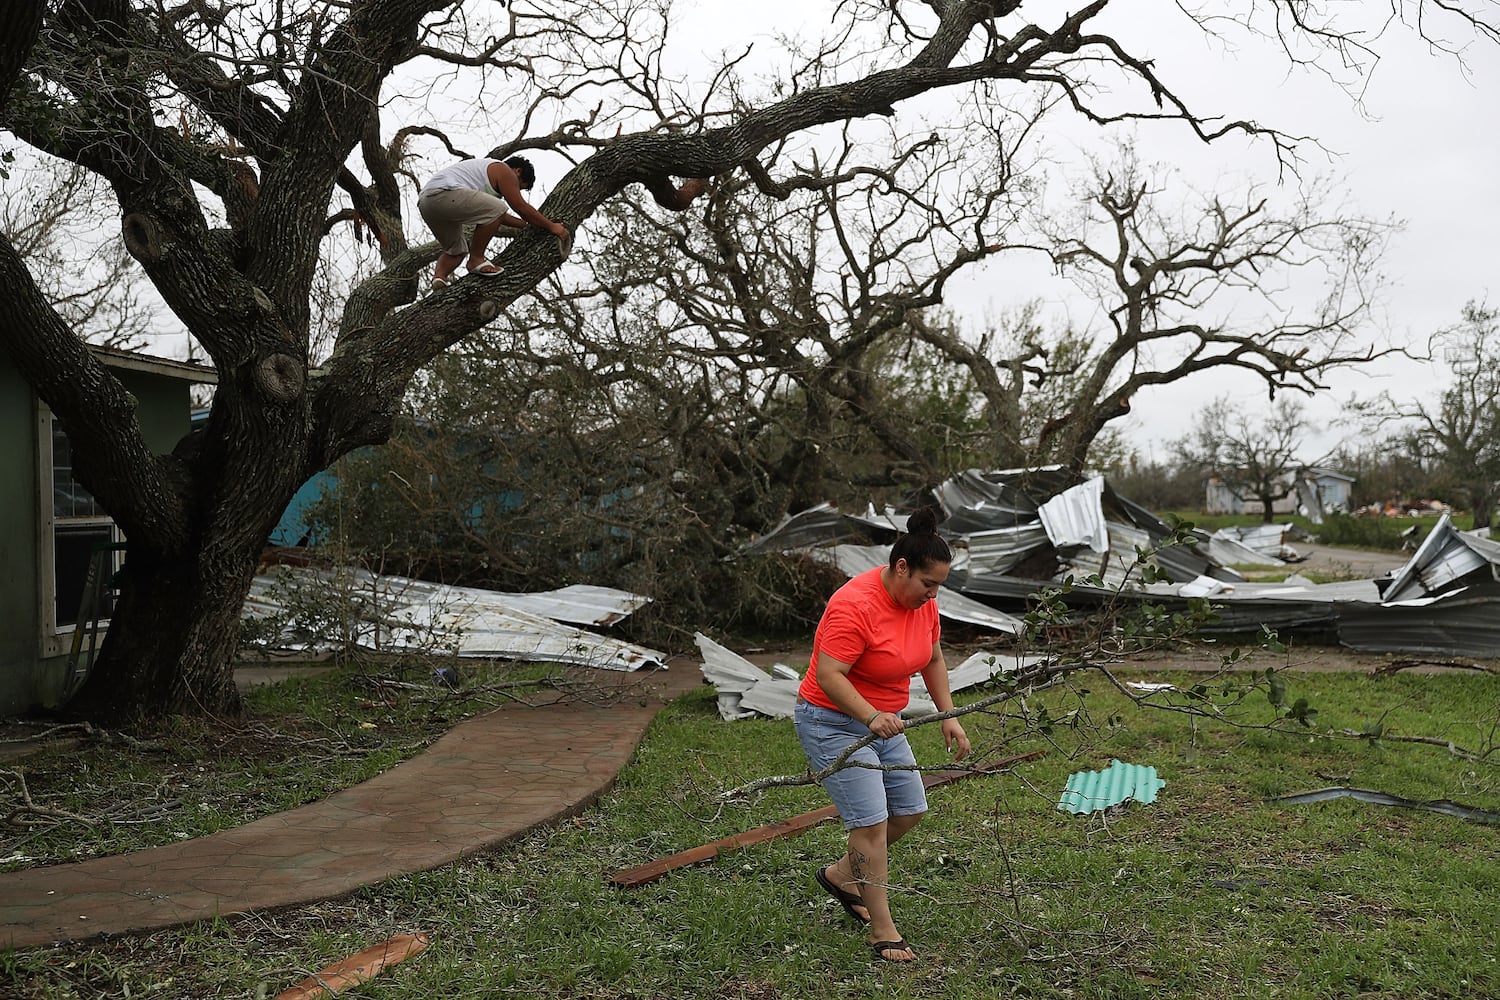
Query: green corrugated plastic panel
[(1090, 791)]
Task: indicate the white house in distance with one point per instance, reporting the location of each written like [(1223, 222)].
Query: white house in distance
[(1331, 492)]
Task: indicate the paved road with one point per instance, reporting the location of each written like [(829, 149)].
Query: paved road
[(1357, 564)]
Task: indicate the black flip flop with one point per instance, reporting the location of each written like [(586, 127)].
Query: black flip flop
[(881, 947), (847, 900)]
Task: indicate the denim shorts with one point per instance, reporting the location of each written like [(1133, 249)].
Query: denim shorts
[(864, 796)]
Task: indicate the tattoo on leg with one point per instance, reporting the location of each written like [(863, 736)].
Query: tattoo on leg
[(857, 864)]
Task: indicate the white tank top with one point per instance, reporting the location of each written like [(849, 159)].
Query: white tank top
[(470, 174)]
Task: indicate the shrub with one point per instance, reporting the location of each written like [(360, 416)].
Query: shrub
[(1363, 532)]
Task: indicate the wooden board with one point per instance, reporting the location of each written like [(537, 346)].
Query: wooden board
[(357, 969), (631, 878)]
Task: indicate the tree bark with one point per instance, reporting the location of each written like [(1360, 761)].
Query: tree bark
[(1483, 500), (174, 632), (20, 20), (174, 629)]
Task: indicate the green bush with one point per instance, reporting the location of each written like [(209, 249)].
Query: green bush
[(1365, 532)]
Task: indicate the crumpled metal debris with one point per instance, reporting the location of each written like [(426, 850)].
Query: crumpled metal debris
[(746, 691), (1444, 806), (1445, 601), (397, 613)]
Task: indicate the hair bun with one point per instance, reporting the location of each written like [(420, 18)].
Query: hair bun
[(922, 521)]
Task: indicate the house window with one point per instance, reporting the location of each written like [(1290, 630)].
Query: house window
[(73, 545), (69, 499), (77, 529)]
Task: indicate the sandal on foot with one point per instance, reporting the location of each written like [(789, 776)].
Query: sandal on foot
[(439, 283), (847, 900), (881, 947), (489, 269)]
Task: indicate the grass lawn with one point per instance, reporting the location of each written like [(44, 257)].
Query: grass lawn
[(1209, 892), (1379, 533)]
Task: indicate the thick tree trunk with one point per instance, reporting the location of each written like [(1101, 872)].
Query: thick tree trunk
[(174, 633), (172, 639), (20, 20)]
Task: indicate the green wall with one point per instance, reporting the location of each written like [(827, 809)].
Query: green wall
[(26, 681), (165, 410)]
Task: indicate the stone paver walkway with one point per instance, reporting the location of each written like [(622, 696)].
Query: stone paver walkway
[(489, 780)]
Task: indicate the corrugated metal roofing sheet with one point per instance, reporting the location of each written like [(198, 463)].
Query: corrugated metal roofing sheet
[(1075, 517), (1462, 622), (853, 560), (1445, 556), (998, 550), (981, 501), (393, 612), (1090, 791), (1224, 548), (746, 690), (814, 525)]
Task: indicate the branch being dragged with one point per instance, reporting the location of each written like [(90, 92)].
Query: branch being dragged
[(1037, 678)]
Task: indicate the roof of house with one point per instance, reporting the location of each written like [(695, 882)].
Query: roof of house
[(188, 371), (1322, 473)]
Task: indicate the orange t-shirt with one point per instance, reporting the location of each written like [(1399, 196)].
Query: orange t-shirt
[(885, 642)]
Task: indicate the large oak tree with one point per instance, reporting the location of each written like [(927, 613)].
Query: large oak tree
[(236, 137)]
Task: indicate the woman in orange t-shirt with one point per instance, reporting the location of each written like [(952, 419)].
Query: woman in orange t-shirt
[(878, 630)]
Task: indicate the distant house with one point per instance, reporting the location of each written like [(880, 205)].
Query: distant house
[(1334, 490), (53, 527), (1316, 491)]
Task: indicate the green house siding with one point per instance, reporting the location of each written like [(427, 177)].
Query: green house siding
[(33, 654), (165, 410)]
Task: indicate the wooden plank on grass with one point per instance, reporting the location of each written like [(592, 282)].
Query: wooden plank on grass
[(631, 878), (357, 969)]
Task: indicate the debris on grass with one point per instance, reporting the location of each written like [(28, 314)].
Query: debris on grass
[(357, 969), (395, 613), (1444, 806), (1092, 791), (747, 691), (631, 878)]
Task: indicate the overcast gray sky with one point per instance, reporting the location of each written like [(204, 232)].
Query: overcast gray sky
[(1423, 147)]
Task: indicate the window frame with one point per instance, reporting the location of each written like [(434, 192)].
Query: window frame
[(55, 638)]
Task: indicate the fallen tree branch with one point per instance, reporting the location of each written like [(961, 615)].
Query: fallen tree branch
[(1022, 682), (1432, 741), (1395, 666), (81, 728), (29, 814), (640, 875)]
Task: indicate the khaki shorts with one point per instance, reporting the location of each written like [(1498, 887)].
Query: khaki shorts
[(448, 211)]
